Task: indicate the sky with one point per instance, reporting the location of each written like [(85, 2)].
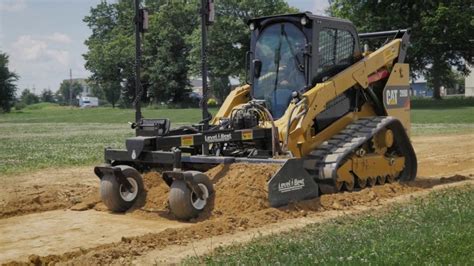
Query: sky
[(45, 38)]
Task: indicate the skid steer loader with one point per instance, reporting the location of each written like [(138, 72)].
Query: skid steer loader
[(335, 116)]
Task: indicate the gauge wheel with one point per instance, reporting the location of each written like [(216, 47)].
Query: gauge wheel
[(116, 196), (183, 202)]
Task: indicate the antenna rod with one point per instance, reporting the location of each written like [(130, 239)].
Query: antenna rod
[(138, 54), (204, 18)]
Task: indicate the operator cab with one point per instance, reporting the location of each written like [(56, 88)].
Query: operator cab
[(291, 53)]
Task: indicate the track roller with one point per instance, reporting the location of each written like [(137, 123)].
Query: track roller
[(371, 181), (349, 185), (381, 180), (361, 183), (390, 179)]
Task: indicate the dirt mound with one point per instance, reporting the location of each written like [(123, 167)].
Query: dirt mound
[(154, 202), (38, 198), (239, 188), (156, 192)]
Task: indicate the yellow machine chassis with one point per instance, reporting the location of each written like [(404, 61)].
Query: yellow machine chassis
[(301, 138)]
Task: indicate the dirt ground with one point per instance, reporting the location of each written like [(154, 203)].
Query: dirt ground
[(55, 215)]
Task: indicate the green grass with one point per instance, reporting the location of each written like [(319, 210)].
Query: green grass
[(47, 135), (32, 146), (52, 113), (449, 110), (438, 230), (446, 103), (461, 115)]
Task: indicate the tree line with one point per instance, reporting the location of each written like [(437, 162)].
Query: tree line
[(171, 47), (442, 43)]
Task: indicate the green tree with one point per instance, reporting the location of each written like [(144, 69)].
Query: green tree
[(441, 36), (229, 39), (96, 90), (7, 84), (166, 51), (27, 97), (63, 94), (47, 96), (110, 57), (173, 32)]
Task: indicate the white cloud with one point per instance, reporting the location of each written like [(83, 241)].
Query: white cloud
[(26, 48), (12, 5), (320, 6), (60, 56), (59, 38), (29, 49)]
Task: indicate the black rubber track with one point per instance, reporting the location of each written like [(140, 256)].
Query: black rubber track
[(324, 161)]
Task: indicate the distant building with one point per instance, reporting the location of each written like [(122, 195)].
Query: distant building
[(196, 86), (86, 88), (420, 89), (469, 86)]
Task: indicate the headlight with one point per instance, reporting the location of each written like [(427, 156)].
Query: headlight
[(252, 26), (304, 21)]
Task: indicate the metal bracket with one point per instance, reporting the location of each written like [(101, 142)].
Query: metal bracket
[(170, 176), (404, 47), (106, 169)]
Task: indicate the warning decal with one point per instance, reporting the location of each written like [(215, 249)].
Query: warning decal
[(247, 135), (187, 141)]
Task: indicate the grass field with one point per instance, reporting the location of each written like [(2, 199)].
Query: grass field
[(32, 146), (46, 135), (437, 230), (49, 113)]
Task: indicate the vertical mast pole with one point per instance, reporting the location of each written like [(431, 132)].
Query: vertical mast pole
[(138, 54), (205, 113), (204, 70)]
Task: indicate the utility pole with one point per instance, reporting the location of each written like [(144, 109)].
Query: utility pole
[(70, 87)]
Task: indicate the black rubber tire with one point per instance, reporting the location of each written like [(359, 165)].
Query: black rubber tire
[(181, 195), (110, 190)]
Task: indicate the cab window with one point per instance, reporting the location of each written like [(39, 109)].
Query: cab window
[(336, 50)]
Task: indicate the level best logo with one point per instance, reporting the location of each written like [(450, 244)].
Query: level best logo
[(219, 137), (291, 185)]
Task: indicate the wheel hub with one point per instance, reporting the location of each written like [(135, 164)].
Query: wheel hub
[(197, 202), (129, 195)]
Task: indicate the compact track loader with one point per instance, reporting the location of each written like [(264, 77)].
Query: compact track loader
[(334, 115)]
